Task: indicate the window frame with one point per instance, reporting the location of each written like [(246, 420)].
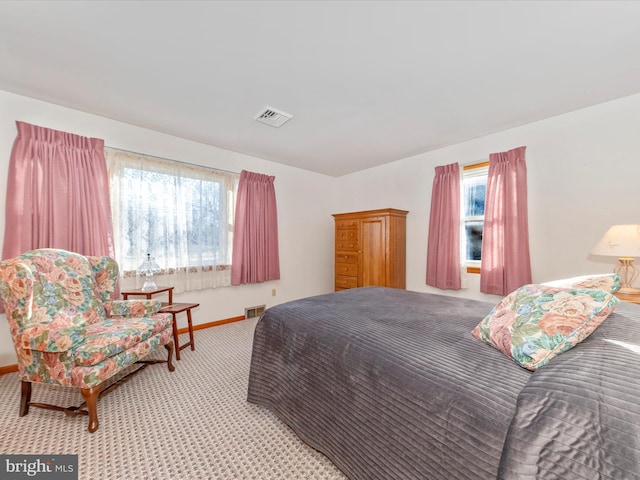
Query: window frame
[(477, 169)]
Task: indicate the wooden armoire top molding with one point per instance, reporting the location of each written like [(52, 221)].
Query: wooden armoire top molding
[(372, 213)]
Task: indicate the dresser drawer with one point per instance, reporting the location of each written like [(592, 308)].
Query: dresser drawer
[(346, 224), (343, 281), (350, 269), (346, 257), (347, 235), (346, 245)]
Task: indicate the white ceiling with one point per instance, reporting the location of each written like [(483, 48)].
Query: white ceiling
[(367, 82)]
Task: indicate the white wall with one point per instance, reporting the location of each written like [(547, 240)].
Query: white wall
[(305, 223), (583, 176)]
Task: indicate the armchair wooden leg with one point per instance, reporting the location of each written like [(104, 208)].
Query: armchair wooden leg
[(169, 347), (25, 398), (91, 397)]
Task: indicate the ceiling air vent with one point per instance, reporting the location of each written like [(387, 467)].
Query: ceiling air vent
[(272, 117)]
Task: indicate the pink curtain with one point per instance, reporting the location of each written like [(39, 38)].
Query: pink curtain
[(57, 194), (255, 237), (443, 250), (505, 243)]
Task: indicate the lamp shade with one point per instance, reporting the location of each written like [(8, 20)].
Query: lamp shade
[(619, 241)]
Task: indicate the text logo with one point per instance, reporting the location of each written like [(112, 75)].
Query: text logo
[(49, 467)]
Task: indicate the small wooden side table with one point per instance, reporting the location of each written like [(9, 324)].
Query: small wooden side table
[(628, 297), (148, 293), (174, 309)]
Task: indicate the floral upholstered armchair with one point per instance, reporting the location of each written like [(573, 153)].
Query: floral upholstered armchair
[(68, 331)]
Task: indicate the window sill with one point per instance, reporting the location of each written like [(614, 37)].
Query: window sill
[(174, 271)]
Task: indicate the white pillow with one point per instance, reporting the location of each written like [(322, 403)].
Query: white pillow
[(609, 282)]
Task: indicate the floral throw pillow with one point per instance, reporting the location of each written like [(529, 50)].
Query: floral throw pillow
[(607, 281), (536, 323)]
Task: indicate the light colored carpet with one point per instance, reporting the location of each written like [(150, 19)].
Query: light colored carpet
[(194, 423)]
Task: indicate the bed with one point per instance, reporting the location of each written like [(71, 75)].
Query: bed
[(391, 384)]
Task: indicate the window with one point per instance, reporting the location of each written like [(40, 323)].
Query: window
[(181, 214), (474, 188)]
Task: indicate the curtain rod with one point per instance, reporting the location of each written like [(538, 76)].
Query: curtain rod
[(169, 159)]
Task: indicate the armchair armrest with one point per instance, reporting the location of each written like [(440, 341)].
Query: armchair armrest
[(132, 308), (44, 338)]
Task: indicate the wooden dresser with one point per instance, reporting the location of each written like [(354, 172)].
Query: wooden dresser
[(370, 249)]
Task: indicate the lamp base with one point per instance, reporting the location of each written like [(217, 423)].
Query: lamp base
[(628, 273), (149, 285)]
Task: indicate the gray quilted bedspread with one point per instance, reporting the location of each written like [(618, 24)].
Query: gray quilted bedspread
[(390, 384)]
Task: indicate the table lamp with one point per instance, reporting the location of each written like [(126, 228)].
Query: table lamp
[(149, 268), (623, 242)]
